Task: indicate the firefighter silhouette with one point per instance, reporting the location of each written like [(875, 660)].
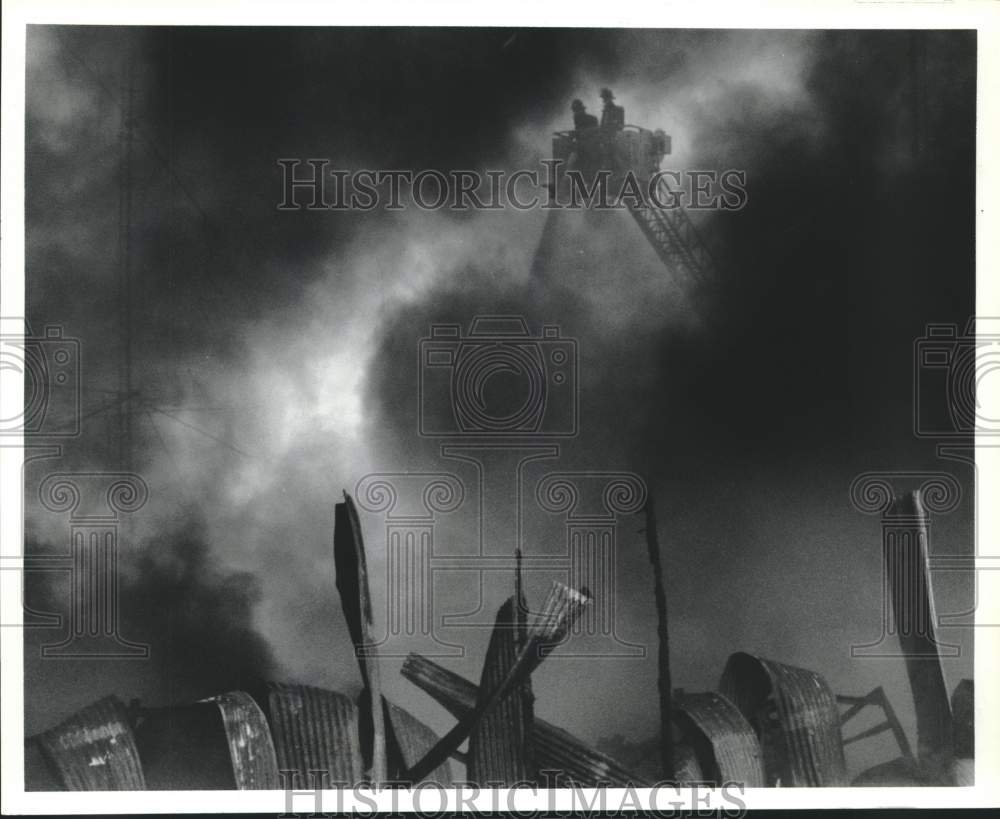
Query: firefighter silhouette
[(581, 119), (613, 116)]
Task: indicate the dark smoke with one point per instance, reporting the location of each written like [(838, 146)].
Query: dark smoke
[(275, 353), (750, 434), (196, 617)]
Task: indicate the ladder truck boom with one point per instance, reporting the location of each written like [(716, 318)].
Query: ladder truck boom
[(669, 229)]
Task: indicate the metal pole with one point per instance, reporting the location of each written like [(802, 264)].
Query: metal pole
[(663, 657)]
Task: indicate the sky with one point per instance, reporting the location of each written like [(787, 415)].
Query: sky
[(275, 354)]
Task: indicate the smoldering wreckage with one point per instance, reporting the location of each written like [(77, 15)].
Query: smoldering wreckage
[(767, 724)]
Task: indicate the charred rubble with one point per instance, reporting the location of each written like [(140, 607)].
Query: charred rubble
[(768, 724)]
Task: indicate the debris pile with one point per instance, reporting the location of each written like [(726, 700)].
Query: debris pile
[(769, 724)]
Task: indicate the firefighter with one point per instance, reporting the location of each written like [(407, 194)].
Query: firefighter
[(613, 116), (586, 137), (581, 119)]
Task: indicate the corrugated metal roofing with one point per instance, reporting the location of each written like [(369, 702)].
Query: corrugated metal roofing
[(964, 719), (551, 626), (94, 750), (907, 571), (558, 750), (963, 772), (255, 763), (315, 730), (498, 745), (801, 742), (553, 748), (560, 610), (687, 769), (735, 747)]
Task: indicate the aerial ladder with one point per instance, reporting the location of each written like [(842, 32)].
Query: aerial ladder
[(669, 230)]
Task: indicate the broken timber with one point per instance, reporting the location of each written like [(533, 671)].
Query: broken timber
[(878, 699), (355, 598), (905, 544), (561, 608), (499, 754)]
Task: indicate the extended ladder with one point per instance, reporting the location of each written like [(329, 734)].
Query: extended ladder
[(675, 238)]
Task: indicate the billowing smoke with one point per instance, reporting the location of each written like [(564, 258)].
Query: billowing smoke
[(275, 354), (196, 619)]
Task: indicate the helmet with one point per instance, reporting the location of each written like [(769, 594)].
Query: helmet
[(577, 105)]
